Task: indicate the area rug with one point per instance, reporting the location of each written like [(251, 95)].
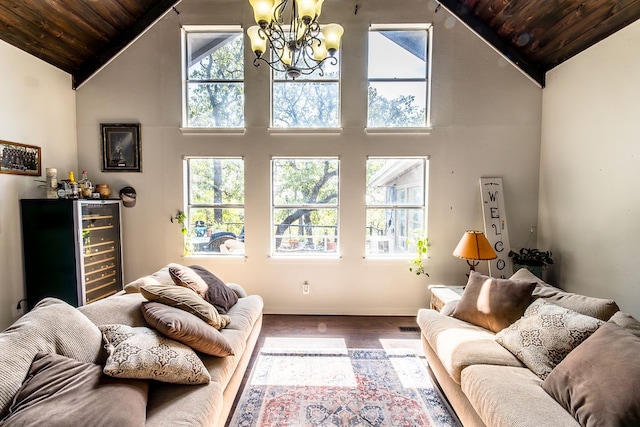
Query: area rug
[(341, 387)]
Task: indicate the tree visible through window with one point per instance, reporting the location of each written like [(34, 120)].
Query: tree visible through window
[(214, 75), (215, 209), (398, 78), (396, 202), (304, 195)]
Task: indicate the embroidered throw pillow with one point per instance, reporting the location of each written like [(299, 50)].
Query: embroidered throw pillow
[(145, 354), (545, 335)]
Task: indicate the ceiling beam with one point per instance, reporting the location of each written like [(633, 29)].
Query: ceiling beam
[(109, 51), (485, 32)]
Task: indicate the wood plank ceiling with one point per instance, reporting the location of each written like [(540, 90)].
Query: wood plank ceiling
[(80, 36)]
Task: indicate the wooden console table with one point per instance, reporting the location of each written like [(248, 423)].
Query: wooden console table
[(442, 294)]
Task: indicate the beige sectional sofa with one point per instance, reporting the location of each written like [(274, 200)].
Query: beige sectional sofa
[(489, 385), (54, 327)]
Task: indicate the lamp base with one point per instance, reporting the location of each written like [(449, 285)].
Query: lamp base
[(472, 266)]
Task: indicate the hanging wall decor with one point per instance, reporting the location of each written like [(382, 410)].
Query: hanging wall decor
[(121, 147), (20, 159)]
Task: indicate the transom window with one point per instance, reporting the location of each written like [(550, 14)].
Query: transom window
[(309, 101), (399, 67), (396, 204), (304, 194), (215, 205), (213, 72)]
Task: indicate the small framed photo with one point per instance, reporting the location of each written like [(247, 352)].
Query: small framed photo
[(121, 147), (20, 159)]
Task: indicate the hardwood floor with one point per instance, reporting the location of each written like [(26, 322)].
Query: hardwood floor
[(357, 332)]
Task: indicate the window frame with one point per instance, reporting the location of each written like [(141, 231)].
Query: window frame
[(188, 206), (273, 207), (303, 80), (204, 29), (428, 28), (408, 218)]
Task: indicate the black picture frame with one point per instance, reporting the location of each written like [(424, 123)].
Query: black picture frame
[(20, 159), (121, 147)]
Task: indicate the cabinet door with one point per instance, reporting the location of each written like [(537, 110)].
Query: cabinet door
[(100, 247)]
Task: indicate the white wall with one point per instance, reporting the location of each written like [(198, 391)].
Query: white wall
[(590, 170), (37, 107), (486, 117)]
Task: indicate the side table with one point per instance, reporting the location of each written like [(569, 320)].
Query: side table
[(442, 294)]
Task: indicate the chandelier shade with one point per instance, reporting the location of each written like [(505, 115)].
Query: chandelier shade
[(297, 42)]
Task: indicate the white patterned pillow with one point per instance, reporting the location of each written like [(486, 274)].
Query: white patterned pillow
[(145, 354), (545, 335)]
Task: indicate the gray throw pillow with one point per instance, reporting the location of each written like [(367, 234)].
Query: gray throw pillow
[(218, 294), (61, 392)]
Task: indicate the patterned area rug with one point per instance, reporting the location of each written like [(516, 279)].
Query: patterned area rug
[(341, 387)]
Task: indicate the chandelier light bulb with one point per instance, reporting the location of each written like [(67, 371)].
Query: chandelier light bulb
[(319, 50), (319, 8), (332, 35), (306, 10), (262, 11), (258, 41)]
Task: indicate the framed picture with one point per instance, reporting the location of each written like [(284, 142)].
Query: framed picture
[(121, 147), (20, 159)]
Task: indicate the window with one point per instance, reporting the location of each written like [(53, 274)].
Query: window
[(213, 71), (215, 205), (399, 67), (396, 204), (310, 101), (304, 194)]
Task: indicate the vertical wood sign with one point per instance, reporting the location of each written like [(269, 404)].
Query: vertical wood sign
[(495, 226)]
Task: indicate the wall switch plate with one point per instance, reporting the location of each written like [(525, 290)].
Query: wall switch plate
[(306, 288)]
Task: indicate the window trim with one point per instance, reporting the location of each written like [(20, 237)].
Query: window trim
[(184, 31), (428, 125), (273, 206), (188, 206), (424, 206)]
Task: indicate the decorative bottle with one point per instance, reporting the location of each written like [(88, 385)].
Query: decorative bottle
[(73, 187), (86, 187)]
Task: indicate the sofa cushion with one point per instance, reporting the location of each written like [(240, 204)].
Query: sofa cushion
[(187, 277), (144, 353), (186, 328), (627, 321), (493, 303), (52, 326), (598, 381), (221, 296), (123, 309), (545, 335), (160, 277), (49, 396), (505, 396), (459, 344), (599, 308), (185, 299)]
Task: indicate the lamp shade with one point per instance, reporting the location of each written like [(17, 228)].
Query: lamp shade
[(258, 41), (474, 246), (332, 34), (262, 10)]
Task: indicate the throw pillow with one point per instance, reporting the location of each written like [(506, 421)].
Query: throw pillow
[(598, 381), (144, 353), (493, 303), (186, 328), (187, 300), (160, 277), (221, 296), (185, 276), (51, 391), (545, 335)]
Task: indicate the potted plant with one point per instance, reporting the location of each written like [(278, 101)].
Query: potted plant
[(417, 263), (532, 259)]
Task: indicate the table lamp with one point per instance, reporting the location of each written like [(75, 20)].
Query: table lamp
[(474, 247)]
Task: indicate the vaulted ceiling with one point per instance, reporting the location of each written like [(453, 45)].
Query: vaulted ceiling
[(80, 36)]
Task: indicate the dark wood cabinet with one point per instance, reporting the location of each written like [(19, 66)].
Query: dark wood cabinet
[(72, 249)]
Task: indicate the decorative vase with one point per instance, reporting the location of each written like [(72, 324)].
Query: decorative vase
[(104, 190)]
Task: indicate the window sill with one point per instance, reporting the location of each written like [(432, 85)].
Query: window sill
[(307, 131), (405, 131), (213, 131)]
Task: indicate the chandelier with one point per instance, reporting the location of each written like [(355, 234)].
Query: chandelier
[(298, 45)]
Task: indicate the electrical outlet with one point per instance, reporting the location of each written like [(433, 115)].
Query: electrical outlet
[(306, 288)]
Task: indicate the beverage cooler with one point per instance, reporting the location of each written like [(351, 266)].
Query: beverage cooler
[(72, 249)]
